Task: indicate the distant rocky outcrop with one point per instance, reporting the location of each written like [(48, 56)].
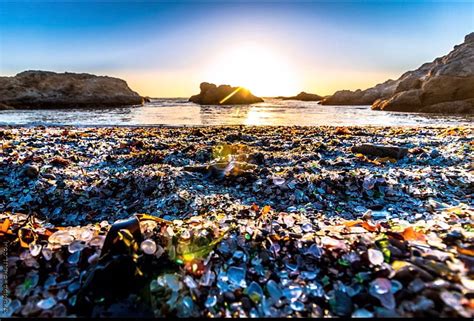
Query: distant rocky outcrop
[(45, 89), (223, 95), (303, 96), (361, 97), (445, 85)]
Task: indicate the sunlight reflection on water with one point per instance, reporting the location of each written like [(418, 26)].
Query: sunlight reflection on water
[(176, 112)]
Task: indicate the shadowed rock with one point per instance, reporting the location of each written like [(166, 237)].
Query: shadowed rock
[(45, 89), (303, 96), (380, 151), (445, 85), (223, 95)]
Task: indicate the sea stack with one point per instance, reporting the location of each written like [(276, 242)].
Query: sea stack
[(46, 89), (224, 95)]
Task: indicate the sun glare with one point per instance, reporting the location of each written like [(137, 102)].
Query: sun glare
[(261, 70)]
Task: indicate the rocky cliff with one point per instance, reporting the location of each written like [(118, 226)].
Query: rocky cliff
[(445, 85), (223, 95), (45, 89)]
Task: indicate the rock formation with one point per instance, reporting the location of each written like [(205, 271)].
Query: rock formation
[(361, 97), (445, 85), (303, 96), (223, 95), (45, 89)]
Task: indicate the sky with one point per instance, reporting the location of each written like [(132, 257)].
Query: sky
[(166, 49)]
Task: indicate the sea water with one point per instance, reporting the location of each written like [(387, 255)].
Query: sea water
[(179, 112)]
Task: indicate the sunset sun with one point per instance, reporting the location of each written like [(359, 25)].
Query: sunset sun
[(260, 69)]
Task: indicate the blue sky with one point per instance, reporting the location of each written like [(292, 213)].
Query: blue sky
[(166, 48)]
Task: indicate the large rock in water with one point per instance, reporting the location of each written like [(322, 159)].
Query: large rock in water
[(303, 96), (45, 89), (224, 95), (445, 85)]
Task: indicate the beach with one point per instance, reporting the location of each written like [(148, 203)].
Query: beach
[(238, 220), (237, 159)]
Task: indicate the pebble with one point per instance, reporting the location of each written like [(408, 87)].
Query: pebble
[(255, 292), (76, 246), (35, 249), (148, 247), (210, 301), (274, 290), (278, 180), (375, 256), (46, 304), (31, 171), (236, 276)]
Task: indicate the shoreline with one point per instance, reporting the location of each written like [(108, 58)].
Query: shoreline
[(59, 125)]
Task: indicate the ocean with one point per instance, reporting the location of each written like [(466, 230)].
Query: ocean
[(180, 112)]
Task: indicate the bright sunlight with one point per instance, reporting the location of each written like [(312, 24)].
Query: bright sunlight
[(261, 70)]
